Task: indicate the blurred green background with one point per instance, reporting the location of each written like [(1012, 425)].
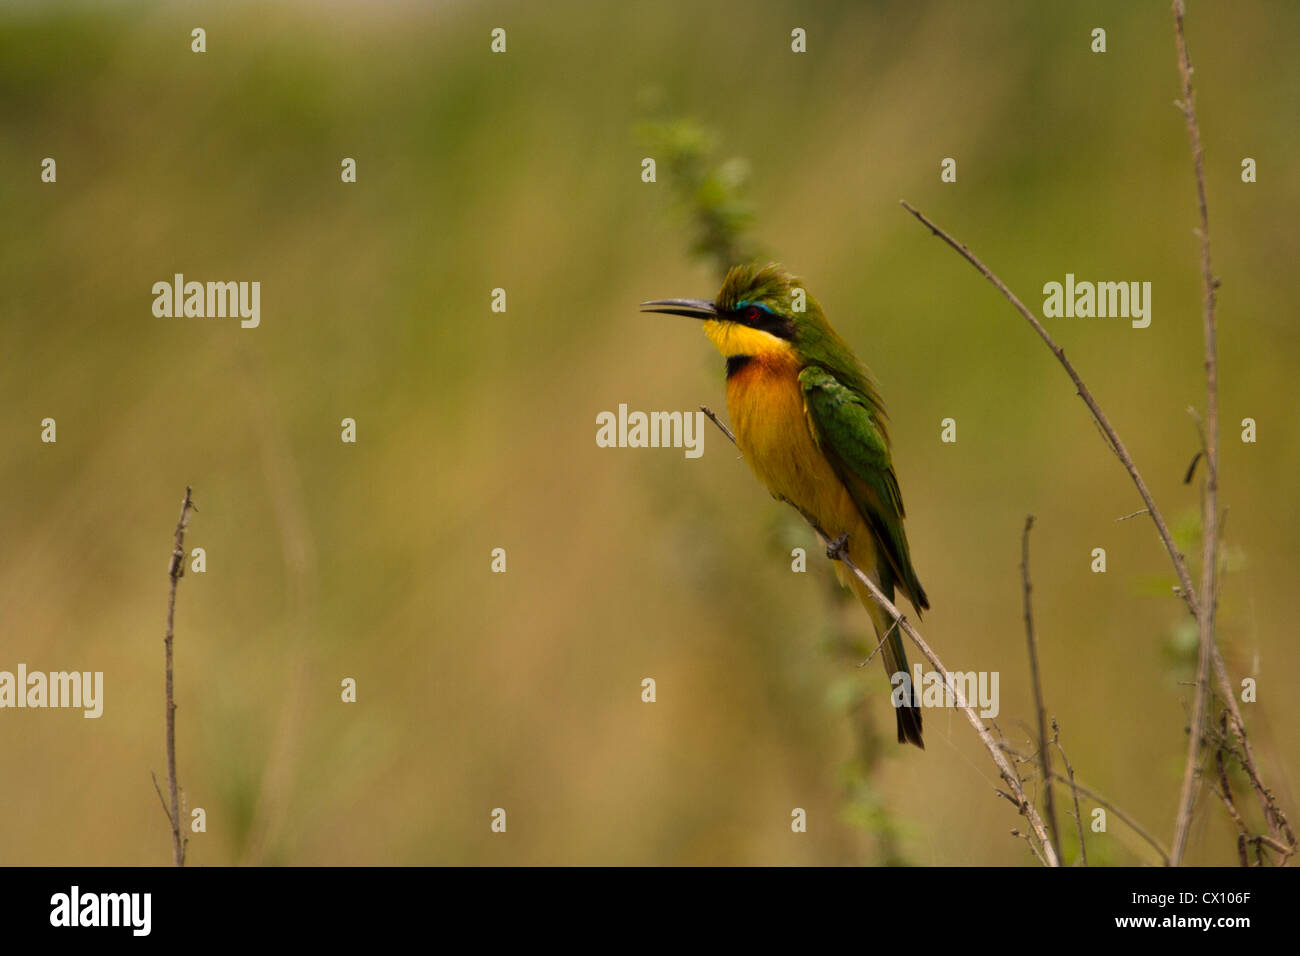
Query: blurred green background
[(476, 429)]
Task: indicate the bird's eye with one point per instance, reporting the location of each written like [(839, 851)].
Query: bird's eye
[(751, 313)]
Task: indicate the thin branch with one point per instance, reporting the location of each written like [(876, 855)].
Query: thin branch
[(1260, 840), (1188, 593), (1224, 793), (185, 815), (1119, 814), (1223, 749), (1026, 838), (1210, 510), (1044, 753), (161, 799), (175, 571), (1276, 818), (837, 550), (1273, 815), (1101, 801), (1074, 790), (719, 422), (879, 644)]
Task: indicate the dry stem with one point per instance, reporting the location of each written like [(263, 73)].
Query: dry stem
[(1210, 503), (1044, 754), (175, 570)]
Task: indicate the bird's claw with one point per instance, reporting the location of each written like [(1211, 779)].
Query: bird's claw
[(837, 548)]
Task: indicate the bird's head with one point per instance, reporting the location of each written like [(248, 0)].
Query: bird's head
[(760, 311)]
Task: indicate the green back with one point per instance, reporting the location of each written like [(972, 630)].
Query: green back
[(845, 409)]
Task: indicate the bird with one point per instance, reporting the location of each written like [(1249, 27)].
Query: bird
[(808, 418)]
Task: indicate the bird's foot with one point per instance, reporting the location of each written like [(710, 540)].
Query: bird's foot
[(838, 548)]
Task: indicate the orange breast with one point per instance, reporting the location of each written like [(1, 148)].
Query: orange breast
[(766, 408)]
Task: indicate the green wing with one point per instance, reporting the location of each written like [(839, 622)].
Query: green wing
[(849, 428)]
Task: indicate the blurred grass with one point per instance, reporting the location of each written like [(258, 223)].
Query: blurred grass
[(476, 429)]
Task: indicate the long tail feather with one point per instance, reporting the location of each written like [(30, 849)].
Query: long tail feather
[(895, 658)]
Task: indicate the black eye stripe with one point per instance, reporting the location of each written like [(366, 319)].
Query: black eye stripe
[(764, 321)]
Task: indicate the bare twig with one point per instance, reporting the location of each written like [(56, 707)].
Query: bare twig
[(879, 644), (1224, 793), (161, 799), (1210, 509), (1025, 836), (1119, 814), (719, 422), (837, 550), (1277, 822), (1044, 754), (1108, 430), (175, 571), (1276, 818), (1101, 801), (1074, 790), (1261, 841), (1223, 749), (1004, 768)]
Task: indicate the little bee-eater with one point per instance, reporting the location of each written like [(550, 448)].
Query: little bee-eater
[(811, 424)]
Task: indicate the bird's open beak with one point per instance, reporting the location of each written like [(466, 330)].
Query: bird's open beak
[(691, 308)]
